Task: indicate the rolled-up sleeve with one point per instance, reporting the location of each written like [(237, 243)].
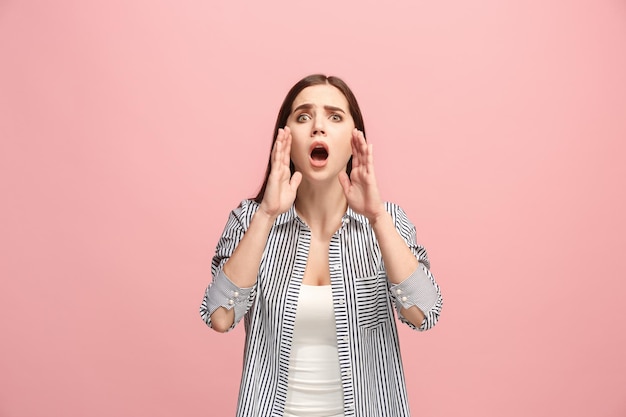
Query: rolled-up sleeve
[(421, 291), (223, 293)]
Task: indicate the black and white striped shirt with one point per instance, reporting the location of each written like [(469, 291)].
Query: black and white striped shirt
[(367, 340)]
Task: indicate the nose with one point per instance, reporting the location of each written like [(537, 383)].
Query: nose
[(318, 127)]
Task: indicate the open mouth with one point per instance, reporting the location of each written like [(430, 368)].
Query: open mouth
[(319, 153)]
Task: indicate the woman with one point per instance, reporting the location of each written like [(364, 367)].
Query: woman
[(314, 265)]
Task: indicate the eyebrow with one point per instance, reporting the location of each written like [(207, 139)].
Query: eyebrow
[(307, 106)]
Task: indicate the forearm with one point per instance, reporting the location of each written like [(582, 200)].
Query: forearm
[(411, 288), (400, 262), (243, 266)]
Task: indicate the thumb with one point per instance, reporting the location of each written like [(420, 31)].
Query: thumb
[(344, 180), (296, 178)]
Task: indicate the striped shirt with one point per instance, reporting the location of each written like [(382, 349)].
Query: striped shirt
[(372, 375)]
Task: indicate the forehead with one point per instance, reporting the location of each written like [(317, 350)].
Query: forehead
[(321, 95)]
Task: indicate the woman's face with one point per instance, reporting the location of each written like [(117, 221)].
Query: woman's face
[(321, 128)]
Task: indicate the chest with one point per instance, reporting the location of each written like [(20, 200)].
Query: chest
[(317, 270), (350, 262), (295, 255)]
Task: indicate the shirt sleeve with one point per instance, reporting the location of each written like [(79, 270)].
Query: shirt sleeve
[(420, 289), (222, 292)]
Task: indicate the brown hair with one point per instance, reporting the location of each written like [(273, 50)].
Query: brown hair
[(285, 111)]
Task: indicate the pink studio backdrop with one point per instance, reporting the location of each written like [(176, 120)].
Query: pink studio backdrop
[(129, 129)]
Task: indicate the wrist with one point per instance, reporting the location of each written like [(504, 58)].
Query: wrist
[(376, 218), (264, 217)]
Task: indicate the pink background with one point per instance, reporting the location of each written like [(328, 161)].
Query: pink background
[(129, 129)]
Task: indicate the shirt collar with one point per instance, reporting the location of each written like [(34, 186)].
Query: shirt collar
[(288, 216), (356, 216), (291, 215)]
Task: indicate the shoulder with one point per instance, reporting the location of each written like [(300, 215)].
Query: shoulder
[(391, 206), (394, 209), (399, 216), (248, 206), (244, 211)]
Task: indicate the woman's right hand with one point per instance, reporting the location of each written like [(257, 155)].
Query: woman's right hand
[(280, 192)]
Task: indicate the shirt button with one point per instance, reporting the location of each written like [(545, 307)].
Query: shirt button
[(231, 302), (347, 221), (336, 267), (342, 301), (236, 294), (398, 291), (403, 298), (346, 338), (350, 406)]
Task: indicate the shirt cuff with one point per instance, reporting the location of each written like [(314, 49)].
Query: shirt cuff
[(223, 293), (417, 290)]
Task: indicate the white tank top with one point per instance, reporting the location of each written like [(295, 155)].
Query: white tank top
[(314, 388)]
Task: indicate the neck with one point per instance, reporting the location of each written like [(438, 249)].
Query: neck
[(321, 207)]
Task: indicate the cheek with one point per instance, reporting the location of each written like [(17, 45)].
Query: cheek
[(298, 150), (346, 143), (342, 151), (348, 150), (298, 133)]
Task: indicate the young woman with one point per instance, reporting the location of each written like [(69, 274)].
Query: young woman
[(315, 264)]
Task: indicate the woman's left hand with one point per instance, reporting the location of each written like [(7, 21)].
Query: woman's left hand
[(360, 187)]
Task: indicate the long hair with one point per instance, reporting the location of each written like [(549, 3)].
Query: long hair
[(285, 111)]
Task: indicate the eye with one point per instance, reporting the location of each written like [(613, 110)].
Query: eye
[(303, 117), (335, 117)]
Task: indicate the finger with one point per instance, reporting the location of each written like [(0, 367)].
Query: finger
[(344, 180), (356, 161), (370, 159), (277, 151), (287, 148), (362, 144), (366, 152), (282, 138), (296, 178), (362, 149), (276, 146)]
